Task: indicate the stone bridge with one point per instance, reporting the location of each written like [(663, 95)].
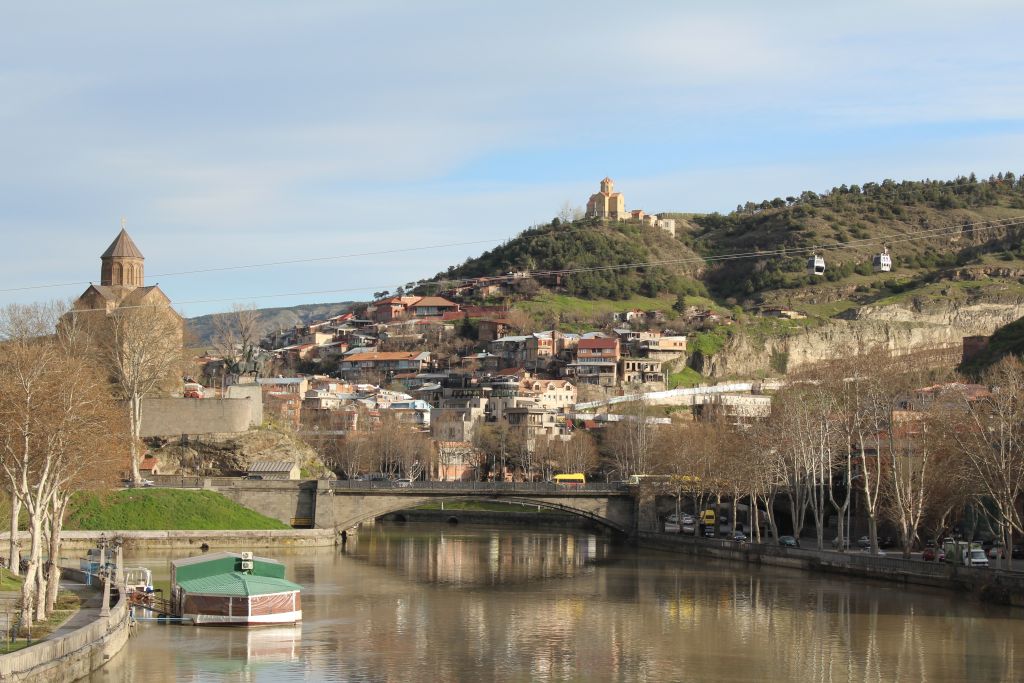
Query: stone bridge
[(341, 504)]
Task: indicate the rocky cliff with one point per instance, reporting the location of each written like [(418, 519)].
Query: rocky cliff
[(232, 454), (901, 329)]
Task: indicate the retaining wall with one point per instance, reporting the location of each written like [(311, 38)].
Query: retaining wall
[(991, 585), (177, 416), (74, 656), (73, 541)]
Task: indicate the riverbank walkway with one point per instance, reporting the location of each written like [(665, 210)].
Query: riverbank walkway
[(88, 609)]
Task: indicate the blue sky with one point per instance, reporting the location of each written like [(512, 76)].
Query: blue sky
[(234, 133)]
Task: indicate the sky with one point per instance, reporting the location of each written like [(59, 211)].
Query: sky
[(234, 134)]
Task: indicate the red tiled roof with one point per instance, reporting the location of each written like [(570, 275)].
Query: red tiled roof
[(435, 301)]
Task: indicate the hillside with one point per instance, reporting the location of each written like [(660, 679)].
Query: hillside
[(958, 270), (591, 260), (201, 327), (929, 226), (932, 228)]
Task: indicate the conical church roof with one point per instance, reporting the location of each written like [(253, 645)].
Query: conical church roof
[(122, 246)]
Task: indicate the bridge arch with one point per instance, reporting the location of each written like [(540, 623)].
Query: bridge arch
[(349, 512)]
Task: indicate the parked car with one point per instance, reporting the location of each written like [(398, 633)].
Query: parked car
[(254, 477), (690, 528), (864, 542), (933, 554), (789, 541), (687, 519), (1017, 552), (739, 537), (403, 483), (997, 552)]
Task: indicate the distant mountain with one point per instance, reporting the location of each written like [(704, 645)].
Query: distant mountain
[(271, 319)]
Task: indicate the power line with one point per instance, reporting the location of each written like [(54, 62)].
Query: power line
[(268, 264), (824, 199), (923, 234)]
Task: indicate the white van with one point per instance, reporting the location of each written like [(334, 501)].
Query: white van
[(964, 553)]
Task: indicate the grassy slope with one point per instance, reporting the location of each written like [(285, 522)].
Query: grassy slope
[(162, 509)]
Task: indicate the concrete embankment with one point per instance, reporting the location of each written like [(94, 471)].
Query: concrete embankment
[(990, 585), (75, 655), (177, 540)]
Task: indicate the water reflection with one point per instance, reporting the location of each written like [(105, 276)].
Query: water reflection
[(442, 556), (441, 604)]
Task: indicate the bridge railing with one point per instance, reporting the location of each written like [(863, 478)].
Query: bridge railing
[(481, 486)]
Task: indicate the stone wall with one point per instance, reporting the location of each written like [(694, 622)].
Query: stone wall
[(74, 656), (991, 585), (177, 416), (74, 543)]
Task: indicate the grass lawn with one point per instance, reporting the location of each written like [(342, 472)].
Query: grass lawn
[(155, 509), (66, 606), (8, 581), (687, 377)]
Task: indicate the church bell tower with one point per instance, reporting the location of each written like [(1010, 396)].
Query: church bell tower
[(122, 263)]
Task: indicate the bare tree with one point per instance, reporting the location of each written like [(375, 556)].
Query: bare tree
[(395, 448), (630, 442), (140, 347), (236, 332), (581, 454), (991, 441), (57, 422)]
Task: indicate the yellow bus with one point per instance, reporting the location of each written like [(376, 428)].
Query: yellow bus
[(576, 479)]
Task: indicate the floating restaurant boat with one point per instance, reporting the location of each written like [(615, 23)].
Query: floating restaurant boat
[(234, 589)]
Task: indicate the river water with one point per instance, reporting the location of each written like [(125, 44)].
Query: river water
[(438, 603)]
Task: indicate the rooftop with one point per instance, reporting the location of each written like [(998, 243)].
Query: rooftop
[(238, 584)]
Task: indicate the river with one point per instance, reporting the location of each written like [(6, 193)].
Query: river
[(439, 603)]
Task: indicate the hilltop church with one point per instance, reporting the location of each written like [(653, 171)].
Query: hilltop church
[(610, 205), (122, 280)]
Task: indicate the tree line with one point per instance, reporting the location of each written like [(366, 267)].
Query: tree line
[(873, 432), (71, 390)]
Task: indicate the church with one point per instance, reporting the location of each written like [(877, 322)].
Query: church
[(122, 280), (607, 203)]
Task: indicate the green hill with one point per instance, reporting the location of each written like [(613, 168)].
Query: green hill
[(590, 259), (162, 509), (931, 228)]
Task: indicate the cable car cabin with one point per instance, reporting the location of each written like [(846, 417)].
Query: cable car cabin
[(881, 263), (815, 265)]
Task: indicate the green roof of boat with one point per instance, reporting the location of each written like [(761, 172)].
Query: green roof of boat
[(237, 584)]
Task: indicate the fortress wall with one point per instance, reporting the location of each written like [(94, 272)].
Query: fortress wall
[(177, 416)]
